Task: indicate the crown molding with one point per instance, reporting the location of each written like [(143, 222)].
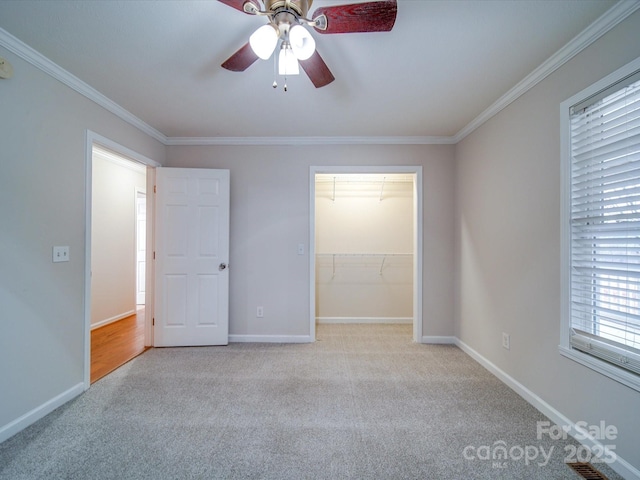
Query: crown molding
[(41, 62), (302, 141), (602, 25), (593, 32)]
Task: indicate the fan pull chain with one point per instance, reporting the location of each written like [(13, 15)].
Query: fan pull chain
[(275, 71), (275, 83)]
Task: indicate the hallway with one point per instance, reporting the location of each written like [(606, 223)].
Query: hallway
[(115, 344)]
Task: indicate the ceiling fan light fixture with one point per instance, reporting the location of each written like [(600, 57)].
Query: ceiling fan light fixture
[(302, 43), (264, 40), (290, 23), (287, 61)]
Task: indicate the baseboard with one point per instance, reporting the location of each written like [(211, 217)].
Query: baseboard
[(270, 339), (396, 320), (620, 465), (107, 321), (435, 340), (37, 413)]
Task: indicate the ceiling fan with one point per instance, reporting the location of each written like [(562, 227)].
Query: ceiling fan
[(286, 24)]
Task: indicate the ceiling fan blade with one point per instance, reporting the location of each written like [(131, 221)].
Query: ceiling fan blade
[(241, 60), (359, 17), (239, 4), (317, 70)]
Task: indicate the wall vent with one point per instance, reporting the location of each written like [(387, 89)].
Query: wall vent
[(586, 470)]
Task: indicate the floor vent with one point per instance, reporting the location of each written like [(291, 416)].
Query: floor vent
[(586, 470)]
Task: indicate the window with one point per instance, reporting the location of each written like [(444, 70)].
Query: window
[(602, 226)]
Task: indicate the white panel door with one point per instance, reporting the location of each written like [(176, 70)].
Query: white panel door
[(192, 255)]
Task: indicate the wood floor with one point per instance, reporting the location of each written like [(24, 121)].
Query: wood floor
[(115, 344)]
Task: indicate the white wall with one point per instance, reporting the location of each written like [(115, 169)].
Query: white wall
[(113, 239), (508, 245), (42, 203), (353, 221), (270, 217)]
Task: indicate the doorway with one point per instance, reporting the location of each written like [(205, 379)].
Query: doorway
[(116, 209), (117, 288), (366, 246)]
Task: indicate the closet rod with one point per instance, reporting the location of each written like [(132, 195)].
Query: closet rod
[(360, 255)]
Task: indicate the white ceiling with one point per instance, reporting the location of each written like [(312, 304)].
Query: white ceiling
[(442, 65)]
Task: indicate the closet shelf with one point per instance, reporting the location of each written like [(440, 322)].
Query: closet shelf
[(382, 256), (364, 254), (376, 181)]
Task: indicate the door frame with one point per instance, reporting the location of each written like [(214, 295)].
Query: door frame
[(416, 171), (91, 139), (138, 193)]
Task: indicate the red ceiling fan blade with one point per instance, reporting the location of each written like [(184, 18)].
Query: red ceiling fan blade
[(239, 4), (241, 60), (317, 70), (359, 17)]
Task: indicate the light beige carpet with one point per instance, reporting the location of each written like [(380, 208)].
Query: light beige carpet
[(363, 402)]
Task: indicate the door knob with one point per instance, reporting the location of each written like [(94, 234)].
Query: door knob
[(222, 266)]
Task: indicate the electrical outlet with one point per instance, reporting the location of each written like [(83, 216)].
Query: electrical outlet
[(60, 254), (506, 341), (260, 312)]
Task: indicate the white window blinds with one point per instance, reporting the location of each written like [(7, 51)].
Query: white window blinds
[(605, 225)]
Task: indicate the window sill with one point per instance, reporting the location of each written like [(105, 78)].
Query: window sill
[(614, 373)]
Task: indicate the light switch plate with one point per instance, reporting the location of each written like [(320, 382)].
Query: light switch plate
[(6, 70), (60, 254)]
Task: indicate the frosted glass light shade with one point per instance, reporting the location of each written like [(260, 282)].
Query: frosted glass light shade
[(264, 40), (302, 43), (287, 62)]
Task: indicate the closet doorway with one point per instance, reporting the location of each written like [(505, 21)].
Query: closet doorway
[(366, 246)]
